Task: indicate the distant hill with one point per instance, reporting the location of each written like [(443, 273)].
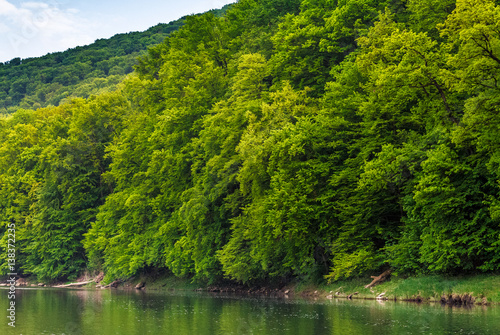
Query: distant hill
[(79, 72)]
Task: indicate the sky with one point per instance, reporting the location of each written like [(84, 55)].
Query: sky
[(35, 28)]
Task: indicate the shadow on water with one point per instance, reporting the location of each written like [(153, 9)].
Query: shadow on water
[(94, 312)]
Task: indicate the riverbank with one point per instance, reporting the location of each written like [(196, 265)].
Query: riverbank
[(463, 290)]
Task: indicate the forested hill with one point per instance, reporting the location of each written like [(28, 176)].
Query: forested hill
[(78, 72), (286, 140)]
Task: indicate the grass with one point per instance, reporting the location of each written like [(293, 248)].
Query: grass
[(427, 288), (166, 283)]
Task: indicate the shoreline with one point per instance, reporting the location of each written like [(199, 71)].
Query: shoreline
[(454, 291)]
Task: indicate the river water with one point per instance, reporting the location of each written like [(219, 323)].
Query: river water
[(107, 312)]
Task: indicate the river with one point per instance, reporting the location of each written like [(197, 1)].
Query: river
[(107, 312)]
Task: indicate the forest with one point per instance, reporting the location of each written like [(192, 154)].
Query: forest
[(284, 140)]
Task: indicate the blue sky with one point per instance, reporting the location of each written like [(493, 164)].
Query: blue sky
[(35, 28)]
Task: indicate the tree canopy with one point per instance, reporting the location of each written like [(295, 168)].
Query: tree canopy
[(271, 141)]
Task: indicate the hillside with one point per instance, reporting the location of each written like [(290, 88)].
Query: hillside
[(79, 72), (305, 141)]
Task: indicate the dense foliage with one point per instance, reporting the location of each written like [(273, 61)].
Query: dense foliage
[(314, 139)]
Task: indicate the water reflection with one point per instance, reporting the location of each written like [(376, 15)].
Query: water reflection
[(88, 312)]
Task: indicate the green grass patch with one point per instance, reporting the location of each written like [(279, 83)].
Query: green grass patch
[(430, 288), (167, 282), (347, 287)]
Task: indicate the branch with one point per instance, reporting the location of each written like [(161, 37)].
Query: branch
[(378, 279), (76, 284)]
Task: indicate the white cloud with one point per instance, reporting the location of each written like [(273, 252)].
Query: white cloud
[(6, 7), (3, 28), (36, 28)]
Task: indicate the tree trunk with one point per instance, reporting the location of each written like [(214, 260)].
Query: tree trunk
[(76, 284), (379, 279)]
